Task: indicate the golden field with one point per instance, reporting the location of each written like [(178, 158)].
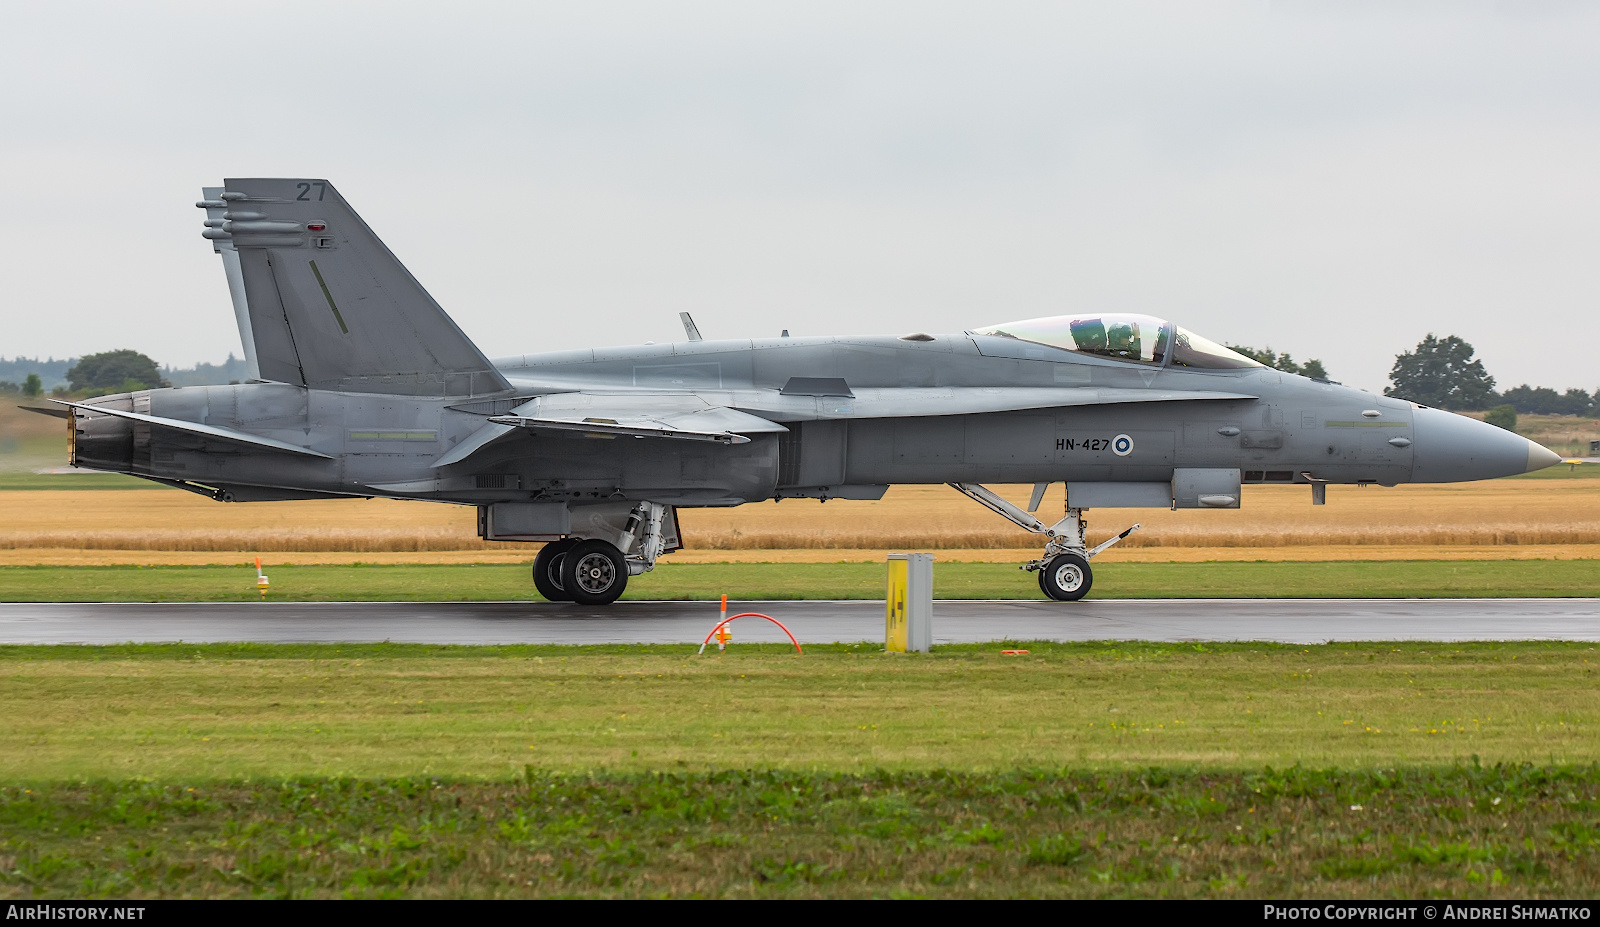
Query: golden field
[(1521, 519), (1503, 519)]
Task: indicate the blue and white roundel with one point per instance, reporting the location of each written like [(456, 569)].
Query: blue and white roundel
[(1122, 445)]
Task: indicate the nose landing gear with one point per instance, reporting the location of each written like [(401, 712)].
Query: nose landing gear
[(1066, 577), (1064, 573)]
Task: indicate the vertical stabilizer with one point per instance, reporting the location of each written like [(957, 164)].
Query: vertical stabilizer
[(223, 246), (328, 305)]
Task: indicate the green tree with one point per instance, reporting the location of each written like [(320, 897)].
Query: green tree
[(1541, 400), (1441, 372), (1504, 416), (122, 371), (32, 386), (1312, 368)]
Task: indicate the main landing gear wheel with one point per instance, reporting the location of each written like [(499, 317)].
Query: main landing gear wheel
[(594, 573), (547, 569), (1066, 578)]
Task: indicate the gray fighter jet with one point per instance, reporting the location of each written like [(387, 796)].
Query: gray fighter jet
[(364, 387)]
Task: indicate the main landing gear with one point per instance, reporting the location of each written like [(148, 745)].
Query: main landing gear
[(595, 571), (591, 572), (547, 569), (1064, 573)]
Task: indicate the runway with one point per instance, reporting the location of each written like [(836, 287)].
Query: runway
[(1298, 621)]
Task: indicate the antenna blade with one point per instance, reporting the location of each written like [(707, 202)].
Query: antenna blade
[(689, 327)]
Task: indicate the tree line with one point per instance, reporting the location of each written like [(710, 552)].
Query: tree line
[(1442, 372), (121, 371), (1439, 372)]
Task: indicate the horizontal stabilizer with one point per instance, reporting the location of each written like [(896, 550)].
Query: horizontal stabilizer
[(208, 431)]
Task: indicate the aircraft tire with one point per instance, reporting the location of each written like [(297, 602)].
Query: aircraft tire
[(594, 573), (1066, 578), (547, 569)]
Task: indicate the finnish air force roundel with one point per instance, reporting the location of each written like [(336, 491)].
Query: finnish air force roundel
[(1122, 445)]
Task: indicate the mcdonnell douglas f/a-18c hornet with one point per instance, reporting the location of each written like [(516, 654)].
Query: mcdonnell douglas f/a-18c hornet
[(362, 386)]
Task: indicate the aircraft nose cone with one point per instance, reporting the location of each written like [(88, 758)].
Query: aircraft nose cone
[(1540, 457), (1452, 448)]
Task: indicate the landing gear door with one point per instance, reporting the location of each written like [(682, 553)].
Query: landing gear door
[(671, 538)]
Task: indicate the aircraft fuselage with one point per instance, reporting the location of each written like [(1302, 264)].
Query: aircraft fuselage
[(384, 445)]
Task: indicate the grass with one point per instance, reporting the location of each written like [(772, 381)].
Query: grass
[(759, 581), (1080, 770), (1567, 435), (214, 712), (1587, 471), (1458, 833), (22, 481)]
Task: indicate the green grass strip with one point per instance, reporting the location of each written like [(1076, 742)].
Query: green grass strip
[(214, 712), (1462, 832), (757, 581)]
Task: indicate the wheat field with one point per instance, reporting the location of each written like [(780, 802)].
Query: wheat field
[(1519, 518), (1494, 520)]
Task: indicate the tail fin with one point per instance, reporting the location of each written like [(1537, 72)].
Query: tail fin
[(330, 307), (222, 244)]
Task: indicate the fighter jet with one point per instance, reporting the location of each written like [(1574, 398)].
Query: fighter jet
[(363, 387)]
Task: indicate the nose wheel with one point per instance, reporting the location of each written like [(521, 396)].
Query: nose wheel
[(1066, 577), (1064, 573)]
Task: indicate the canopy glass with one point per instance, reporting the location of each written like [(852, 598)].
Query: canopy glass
[(1123, 336)]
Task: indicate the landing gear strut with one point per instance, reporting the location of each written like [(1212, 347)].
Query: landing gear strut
[(1064, 573)]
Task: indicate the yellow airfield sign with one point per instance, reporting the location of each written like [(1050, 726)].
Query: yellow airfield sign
[(908, 604), (895, 603)]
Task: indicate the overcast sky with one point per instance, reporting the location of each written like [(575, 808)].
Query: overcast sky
[(1335, 179)]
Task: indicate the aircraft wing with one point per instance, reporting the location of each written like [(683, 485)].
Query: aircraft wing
[(717, 424), (205, 431), (679, 415), (728, 416)]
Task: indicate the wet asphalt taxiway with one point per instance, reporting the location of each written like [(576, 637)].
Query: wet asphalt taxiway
[(954, 621)]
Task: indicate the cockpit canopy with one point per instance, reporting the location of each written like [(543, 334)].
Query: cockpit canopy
[(1123, 336)]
